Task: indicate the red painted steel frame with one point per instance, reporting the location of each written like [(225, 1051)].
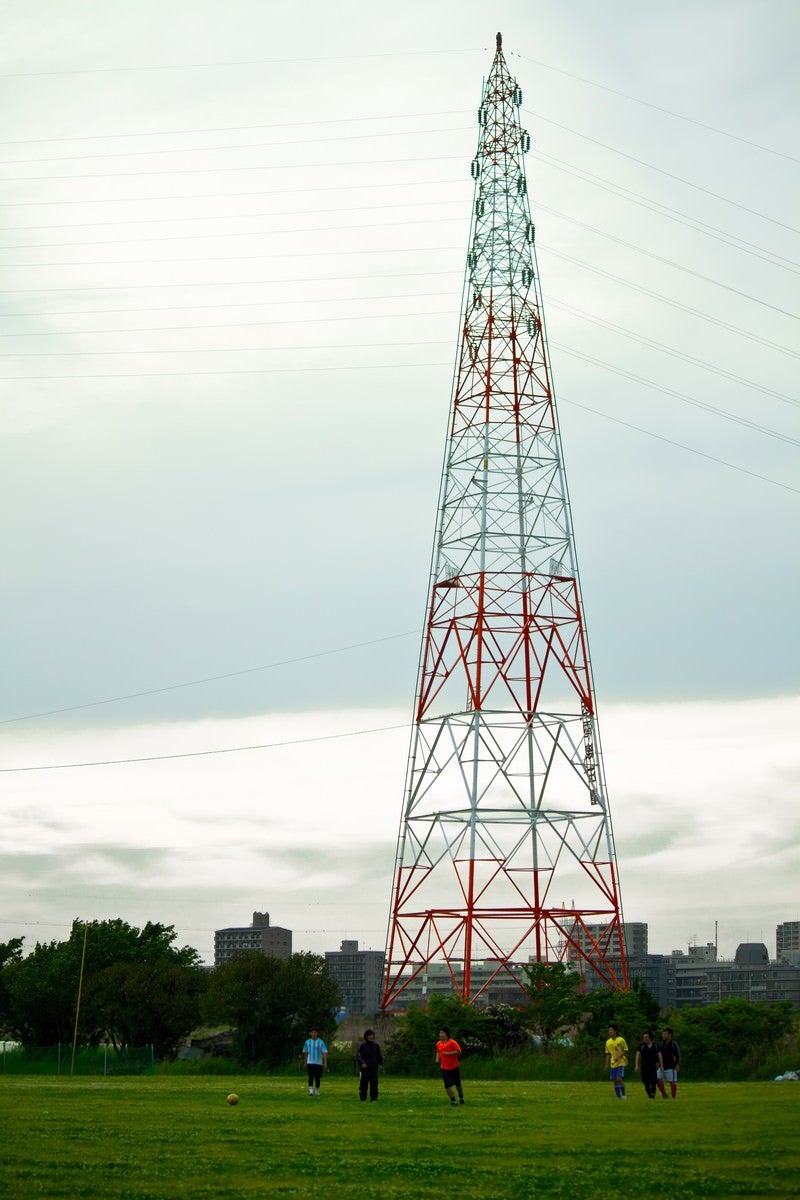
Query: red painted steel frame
[(505, 813)]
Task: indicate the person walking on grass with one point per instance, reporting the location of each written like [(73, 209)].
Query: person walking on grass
[(369, 1060), (647, 1063), (617, 1060), (315, 1060), (447, 1056), (669, 1063)]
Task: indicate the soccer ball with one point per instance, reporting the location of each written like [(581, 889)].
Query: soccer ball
[(233, 1098)]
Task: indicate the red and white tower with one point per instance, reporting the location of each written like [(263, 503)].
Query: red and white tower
[(505, 851)]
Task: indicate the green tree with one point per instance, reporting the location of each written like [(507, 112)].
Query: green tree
[(506, 1027), (271, 1004), (115, 941), (41, 992), (633, 1011), (410, 1050), (731, 1039), (154, 1003), (9, 952), (41, 989), (556, 1004)]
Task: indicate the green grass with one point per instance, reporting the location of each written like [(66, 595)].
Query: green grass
[(173, 1137)]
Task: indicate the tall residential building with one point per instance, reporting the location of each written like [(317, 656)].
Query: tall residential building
[(438, 981), (359, 974), (260, 937), (584, 939), (787, 942), (698, 977)]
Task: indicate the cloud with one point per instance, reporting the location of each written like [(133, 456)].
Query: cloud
[(703, 796)]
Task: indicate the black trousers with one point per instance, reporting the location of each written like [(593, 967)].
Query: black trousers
[(368, 1079), (314, 1074)]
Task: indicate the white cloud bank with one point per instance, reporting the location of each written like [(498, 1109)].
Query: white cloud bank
[(704, 799)]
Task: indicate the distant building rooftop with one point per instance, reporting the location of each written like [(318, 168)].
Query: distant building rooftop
[(751, 954)]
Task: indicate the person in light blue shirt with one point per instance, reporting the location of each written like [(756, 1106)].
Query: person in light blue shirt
[(315, 1058)]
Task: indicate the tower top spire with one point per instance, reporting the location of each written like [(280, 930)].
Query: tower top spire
[(499, 41)]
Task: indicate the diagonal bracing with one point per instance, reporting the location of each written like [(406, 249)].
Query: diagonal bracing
[(505, 851)]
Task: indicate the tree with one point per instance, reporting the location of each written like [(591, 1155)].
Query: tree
[(506, 1027), (153, 1003), (115, 941), (633, 1011), (9, 952), (410, 1050), (41, 990), (731, 1039), (555, 1003), (271, 1003)]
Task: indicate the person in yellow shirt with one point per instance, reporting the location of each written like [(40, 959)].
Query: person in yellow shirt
[(617, 1060)]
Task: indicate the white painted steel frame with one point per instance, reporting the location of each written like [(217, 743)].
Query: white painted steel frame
[(505, 850)]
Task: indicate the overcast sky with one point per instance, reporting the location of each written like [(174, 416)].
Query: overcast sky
[(231, 259)]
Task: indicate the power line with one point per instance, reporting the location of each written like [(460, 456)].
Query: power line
[(141, 133), (327, 300), (659, 387), (672, 352), (658, 108), (667, 174), (82, 312), (742, 421), (248, 62), (286, 212), (709, 231), (695, 312), (682, 446), (174, 150), (172, 687), (318, 255), (335, 187), (118, 762), (354, 733), (701, 227), (342, 649), (246, 233), (379, 316), (438, 342), (281, 254), (220, 350), (138, 287), (731, 240), (363, 162), (373, 316)]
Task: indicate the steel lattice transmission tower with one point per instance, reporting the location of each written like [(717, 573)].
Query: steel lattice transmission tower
[(506, 850)]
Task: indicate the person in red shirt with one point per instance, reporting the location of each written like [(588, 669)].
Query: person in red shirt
[(447, 1052)]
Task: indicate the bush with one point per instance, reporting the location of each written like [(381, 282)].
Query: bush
[(735, 1039)]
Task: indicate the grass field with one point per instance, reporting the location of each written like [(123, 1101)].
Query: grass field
[(172, 1137)]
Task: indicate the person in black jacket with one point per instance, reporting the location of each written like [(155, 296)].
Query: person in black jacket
[(647, 1063), (369, 1060), (669, 1063)]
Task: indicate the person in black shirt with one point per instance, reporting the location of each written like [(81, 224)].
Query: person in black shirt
[(647, 1063), (369, 1059), (669, 1063)]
